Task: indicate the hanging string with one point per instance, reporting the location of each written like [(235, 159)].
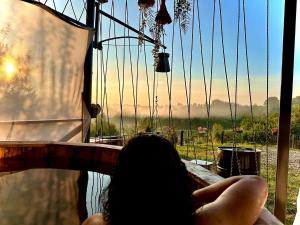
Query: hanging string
[(118, 75), (65, 6), (157, 118), (54, 5), (73, 10), (267, 119), (204, 81), (101, 75), (83, 9), (190, 83), (208, 135), (171, 74), (169, 87), (123, 73), (249, 85), (155, 83), (228, 89), (131, 64), (137, 79), (105, 74), (147, 80), (236, 90), (184, 76), (97, 77)]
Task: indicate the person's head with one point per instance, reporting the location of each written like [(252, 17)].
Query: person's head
[(149, 185)]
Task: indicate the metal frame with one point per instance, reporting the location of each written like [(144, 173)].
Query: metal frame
[(88, 66)]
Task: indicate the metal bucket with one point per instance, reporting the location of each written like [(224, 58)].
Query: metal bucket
[(248, 158)]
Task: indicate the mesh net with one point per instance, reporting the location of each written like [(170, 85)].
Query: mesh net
[(41, 74)]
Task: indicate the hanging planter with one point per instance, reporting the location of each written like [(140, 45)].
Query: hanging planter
[(163, 17), (146, 3)]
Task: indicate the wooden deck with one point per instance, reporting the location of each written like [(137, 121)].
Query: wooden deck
[(94, 157)]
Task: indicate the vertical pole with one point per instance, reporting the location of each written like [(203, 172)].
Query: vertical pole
[(285, 109), (88, 66)]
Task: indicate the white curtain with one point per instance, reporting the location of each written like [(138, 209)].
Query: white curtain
[(41, 74)]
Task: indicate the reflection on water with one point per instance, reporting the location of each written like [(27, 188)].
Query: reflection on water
[(49, 196), (97, 184)]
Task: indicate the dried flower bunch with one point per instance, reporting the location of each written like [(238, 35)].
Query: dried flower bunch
[(163, 17), (182, 13), (146, 3), (158, 33)]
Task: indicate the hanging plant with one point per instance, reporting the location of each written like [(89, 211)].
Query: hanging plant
[(143, 24), (182, 13), (158, 32), (163, 17), (146, 3)]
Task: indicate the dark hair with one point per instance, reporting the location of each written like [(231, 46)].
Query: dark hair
[(149, 185)]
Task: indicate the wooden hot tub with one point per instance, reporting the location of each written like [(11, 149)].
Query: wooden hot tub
[(67, 160)]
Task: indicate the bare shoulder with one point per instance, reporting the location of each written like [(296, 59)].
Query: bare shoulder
[(96, 219)]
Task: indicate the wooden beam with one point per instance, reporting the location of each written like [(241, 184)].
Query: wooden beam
[(94, 157), (285, 109)]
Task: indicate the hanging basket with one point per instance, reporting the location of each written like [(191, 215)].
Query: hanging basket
[(163, 17), (163, 65), (146, 3)]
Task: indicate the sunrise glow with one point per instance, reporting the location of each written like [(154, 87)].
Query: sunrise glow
[(9, 68)]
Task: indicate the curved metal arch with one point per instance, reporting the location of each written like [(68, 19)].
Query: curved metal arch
[(62, 16)]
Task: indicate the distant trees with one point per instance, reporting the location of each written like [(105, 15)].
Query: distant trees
[(273, 104), (295, 120), (296, 100), (217, 131)]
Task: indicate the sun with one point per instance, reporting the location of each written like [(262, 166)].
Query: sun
[(9, 68)]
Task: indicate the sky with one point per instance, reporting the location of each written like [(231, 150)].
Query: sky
[(256, 39)]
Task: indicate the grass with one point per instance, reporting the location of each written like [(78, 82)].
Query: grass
[(189, 152)]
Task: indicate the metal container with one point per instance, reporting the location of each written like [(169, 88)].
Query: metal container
[(247, 159)]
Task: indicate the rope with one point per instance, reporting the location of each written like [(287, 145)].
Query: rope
[(101, 74), (204, 79), (184, 76), (130, 60), (227, 84), (267, 119), (169, 87), (137, 78), (171, 74), (119, 80), (249, 84), (54, 5), (65, 6), (97, 80), (147, 80), (210, 82), (84, 9), (123, 71), (236, 91), (190, 81), (105, 74)]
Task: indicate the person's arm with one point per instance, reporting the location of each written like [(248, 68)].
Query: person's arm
[(96, 219), (233, 201)]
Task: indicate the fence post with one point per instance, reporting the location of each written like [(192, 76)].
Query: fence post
[(181, 137)]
